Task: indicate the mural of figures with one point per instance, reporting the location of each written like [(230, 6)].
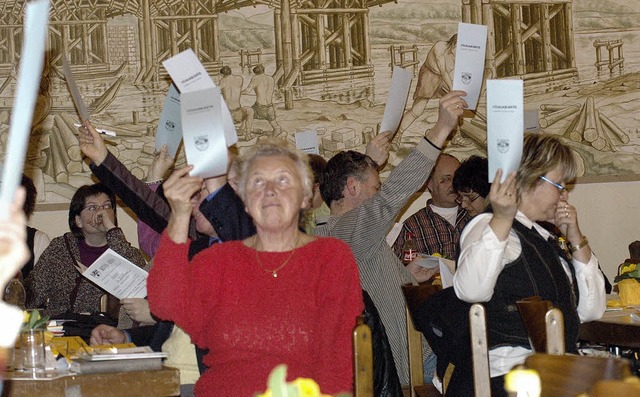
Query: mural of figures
[(325, 65)]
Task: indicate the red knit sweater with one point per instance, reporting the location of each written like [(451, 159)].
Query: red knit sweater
[(252, 322)]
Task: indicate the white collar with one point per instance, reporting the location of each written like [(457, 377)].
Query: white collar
[(522, 218)]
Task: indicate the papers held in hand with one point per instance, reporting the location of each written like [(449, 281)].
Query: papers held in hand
[(447, 267), (118, 276)]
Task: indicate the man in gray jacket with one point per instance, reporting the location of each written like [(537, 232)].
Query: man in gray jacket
[(363, 210)]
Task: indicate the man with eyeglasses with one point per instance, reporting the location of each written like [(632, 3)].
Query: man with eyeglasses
[(436, 228)]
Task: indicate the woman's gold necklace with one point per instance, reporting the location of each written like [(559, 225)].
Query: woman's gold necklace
[(275, 271)]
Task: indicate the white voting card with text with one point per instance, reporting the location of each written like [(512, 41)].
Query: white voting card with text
[(505, 126), (468, 72)]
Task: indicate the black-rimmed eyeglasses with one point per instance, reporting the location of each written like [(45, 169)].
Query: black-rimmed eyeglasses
[(461, 198)]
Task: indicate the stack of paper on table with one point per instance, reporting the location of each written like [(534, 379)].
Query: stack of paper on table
[(117, 360)]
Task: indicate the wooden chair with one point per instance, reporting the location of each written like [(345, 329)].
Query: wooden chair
[(544, 325), (570, 375), (362, 360), (479, 350), (415, 295)]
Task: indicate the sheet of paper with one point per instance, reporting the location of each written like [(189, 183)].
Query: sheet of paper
[(204, 140), (393, 234), (34, 40), (396, 99), (83, 112), (307, 141), (504, 126), (189, 75), (470, 53), (169, 130), (187, 72), (447, 268), (118, 276)]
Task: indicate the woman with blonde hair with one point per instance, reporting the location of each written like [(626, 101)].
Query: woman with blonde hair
[(507, 256)]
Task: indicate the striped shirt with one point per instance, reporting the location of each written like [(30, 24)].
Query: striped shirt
[(365, 227)]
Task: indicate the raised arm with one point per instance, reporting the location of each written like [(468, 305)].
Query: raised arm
[(145, 203)]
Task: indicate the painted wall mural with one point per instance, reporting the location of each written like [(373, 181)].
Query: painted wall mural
[(326, 65)]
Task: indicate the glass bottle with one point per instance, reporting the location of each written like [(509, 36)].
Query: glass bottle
[(409, 248)]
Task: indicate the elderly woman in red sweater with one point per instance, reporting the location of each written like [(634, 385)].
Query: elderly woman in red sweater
[(279, 296)]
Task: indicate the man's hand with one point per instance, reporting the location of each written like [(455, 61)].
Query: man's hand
[(452, 106), (91, 143), (160, 165), (106, 335), (421, 274), (378, 147), (138, 310)]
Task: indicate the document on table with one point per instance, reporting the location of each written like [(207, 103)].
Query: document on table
[(118, 276), (505, 122), (169, 130), (34, 39), (204, 141), (468, 72), (396, 99), (307, 141)]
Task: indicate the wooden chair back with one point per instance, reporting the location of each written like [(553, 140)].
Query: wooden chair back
[(479, 350), (362, 360), (416, 295), (570, 375), (544, 325), (416, 368)]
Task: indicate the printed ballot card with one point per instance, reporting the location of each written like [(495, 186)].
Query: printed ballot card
[(204, 141), (207, 126), (307, 141), (505, 120), (118, 276), (470, 53), (187, 73), (34, 39), (396, 99), (169, 131)]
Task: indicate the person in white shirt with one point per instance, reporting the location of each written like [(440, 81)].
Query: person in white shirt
[(506, 256)]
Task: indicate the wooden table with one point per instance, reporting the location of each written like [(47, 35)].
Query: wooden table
[(619, 328), (162, 382)]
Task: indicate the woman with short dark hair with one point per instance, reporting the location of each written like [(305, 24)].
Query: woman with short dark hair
[(56, 283)]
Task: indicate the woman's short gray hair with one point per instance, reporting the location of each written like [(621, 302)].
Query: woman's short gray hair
[(277, 147)]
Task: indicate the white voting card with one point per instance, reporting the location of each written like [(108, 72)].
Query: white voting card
[(505, 121), (470, 53), (34, 41), (169, 130), (307, 141), (396, 99), (204, 141)]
